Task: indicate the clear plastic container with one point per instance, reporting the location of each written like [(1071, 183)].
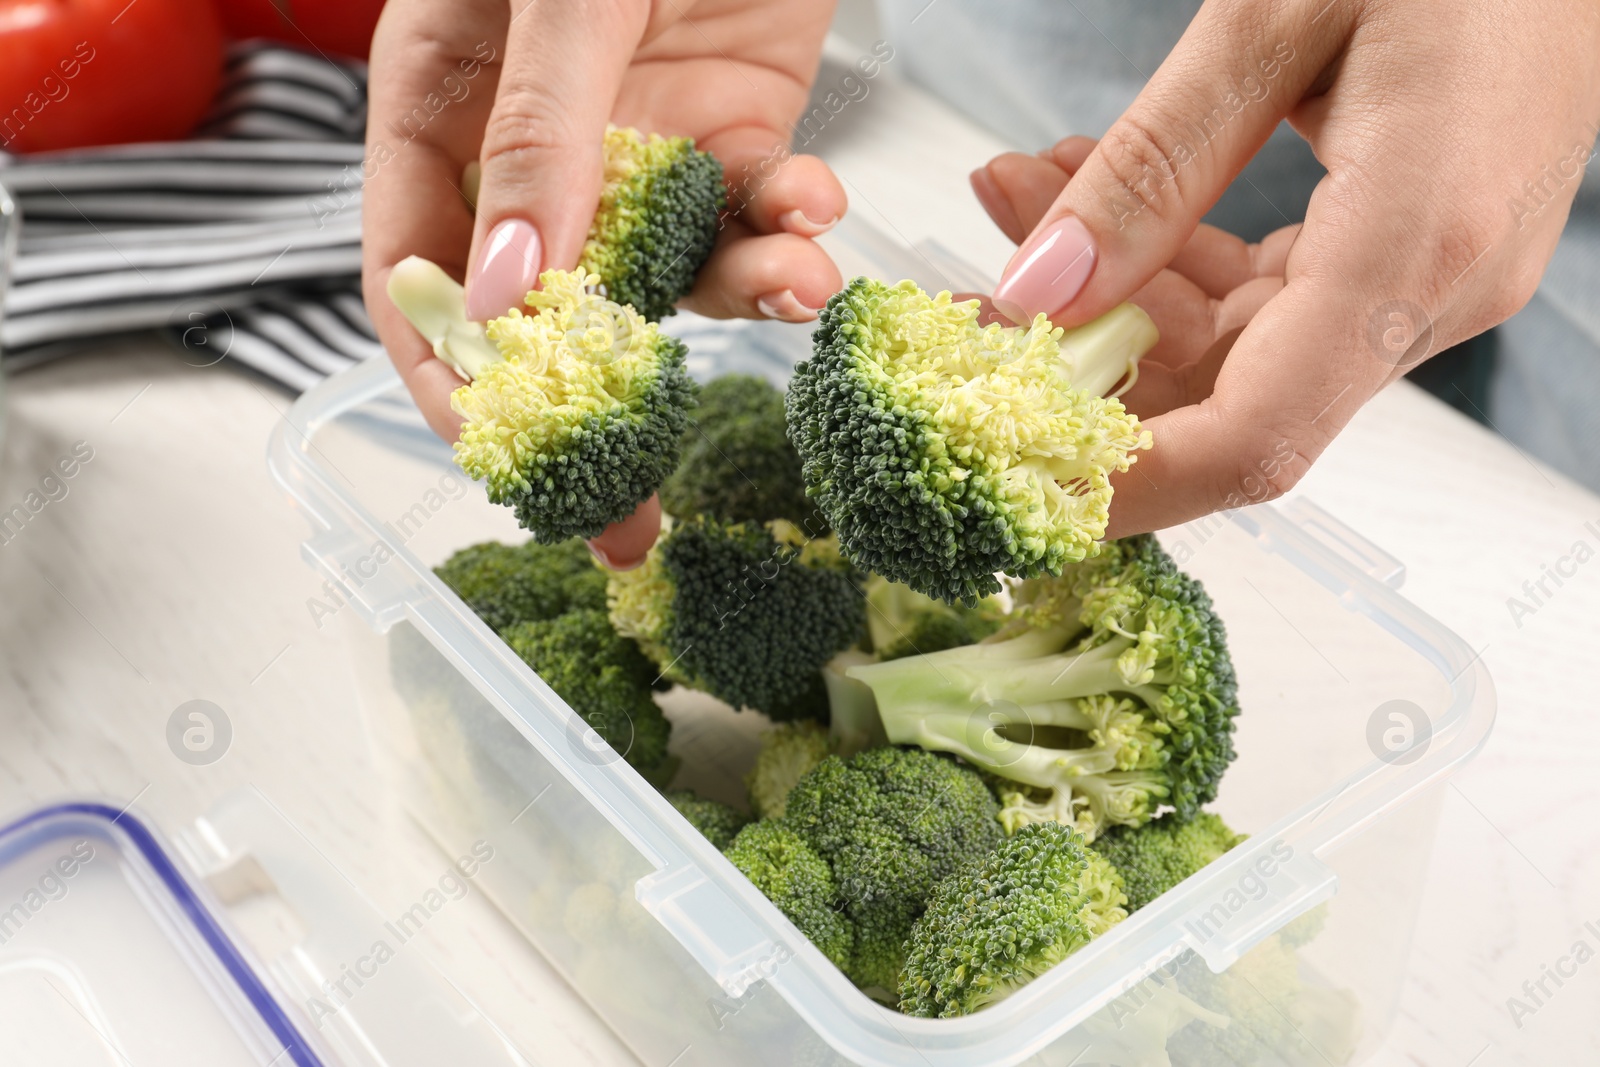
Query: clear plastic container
[(1356, 707), (231, 945)]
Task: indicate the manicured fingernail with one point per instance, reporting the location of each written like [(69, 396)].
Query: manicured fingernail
[(613, 564), (1046, 272), (799, 222), (507, 267), (784, 306)]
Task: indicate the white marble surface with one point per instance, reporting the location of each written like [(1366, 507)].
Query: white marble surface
[(170, 571)]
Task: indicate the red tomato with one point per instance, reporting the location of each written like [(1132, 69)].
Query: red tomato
[(89, 72), (343, 26)]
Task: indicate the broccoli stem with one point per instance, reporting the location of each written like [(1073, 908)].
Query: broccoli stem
[(1101, 352), (1026, 670), (436, 305)]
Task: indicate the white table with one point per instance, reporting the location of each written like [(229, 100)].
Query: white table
[(170, 572)]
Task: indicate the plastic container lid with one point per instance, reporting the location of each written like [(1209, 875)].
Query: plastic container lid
[(241, 945), (108, 954)]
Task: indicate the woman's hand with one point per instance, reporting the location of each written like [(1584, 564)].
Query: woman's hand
[(1200, 302), (1454, 133), (526, 88)]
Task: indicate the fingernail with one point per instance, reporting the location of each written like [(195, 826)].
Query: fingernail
[(799, 222), (784, 306), (613, 564), (1046, 272), (507, 268)]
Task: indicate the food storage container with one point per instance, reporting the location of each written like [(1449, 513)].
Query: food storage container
[(1289, 950), (232, 943)]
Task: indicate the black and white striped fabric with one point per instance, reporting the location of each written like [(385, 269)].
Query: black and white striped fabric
[(246, 240)]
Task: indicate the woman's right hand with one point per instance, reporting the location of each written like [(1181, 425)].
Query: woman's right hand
[(526, 88)]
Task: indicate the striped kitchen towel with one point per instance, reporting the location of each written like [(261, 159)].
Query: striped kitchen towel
[(243, 244)]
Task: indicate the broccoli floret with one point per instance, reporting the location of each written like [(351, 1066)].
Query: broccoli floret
[(1111, 689), (1002, 921), (1274, 1017), (891, 823), (716, 822), (729, 609), (942, 451), (1158, 855), (657, 219), (573, 415), (903, 622), (603, 677), (738, 464), (788, 751), (789, 873), (508, 584)]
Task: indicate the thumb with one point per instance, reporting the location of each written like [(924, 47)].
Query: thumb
[(1138, 197), (541, 156)]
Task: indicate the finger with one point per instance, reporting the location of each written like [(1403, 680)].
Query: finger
[(410, 205), (771, 190), (774, 276), (1196, 334), (1017, 189), (1069, 153), (1293, 378), (1137, 198), (1218, 262), (541, 155), (622, 546)]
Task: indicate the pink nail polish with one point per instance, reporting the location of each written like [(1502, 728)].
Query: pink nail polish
[(1046, 272), (507, 267)]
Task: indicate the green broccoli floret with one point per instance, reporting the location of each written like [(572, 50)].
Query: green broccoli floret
[(788, 751), (716, 822), (573, 415), (891, 823), (789, 873), (1002, 921), (738, 464), (508, 584), (657, 221), (1158, 855), (942, 451), (1273, 1016), (730, 609), (1111, 689), (603, 677), (902, 622)]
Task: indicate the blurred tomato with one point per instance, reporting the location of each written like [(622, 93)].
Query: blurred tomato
[(88, 72), (343, 26)]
